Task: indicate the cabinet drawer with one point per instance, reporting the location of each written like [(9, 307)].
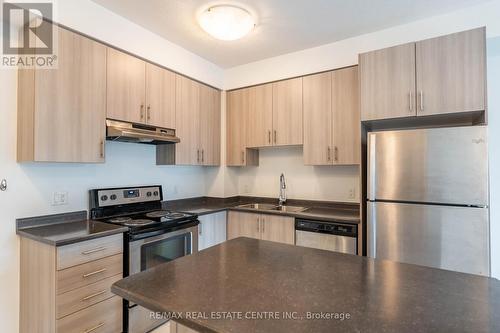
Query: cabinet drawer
[(80, 253), (85, 274), (104, 317), (85, 296)]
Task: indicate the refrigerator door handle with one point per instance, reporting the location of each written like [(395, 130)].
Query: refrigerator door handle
[(372, 146), (372, 230)]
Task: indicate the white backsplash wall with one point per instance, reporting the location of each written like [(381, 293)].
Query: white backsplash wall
[(303, 182)]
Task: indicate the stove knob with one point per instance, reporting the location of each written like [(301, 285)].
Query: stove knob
[(104, 198), (155, 193), (148, 194), (113, 197)]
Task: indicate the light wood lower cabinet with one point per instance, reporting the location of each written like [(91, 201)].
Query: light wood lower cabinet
[(61, 112), (211, 230), (60, 292), (261, 226)]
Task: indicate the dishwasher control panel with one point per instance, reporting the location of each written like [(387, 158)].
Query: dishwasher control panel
[(332, 228)]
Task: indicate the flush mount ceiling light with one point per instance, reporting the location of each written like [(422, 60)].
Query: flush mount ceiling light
[(226, 22)]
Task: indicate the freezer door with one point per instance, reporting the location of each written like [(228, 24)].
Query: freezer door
[(443, 165), (453, 238)]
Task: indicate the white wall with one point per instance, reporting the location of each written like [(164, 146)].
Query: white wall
[(494, 150), (345, 52), (303, 182)]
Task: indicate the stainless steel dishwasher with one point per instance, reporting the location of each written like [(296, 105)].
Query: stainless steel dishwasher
[(331, 236)]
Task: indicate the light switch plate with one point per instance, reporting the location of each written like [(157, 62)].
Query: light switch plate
[(60, 198)]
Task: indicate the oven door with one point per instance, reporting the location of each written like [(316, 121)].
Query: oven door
[(150, 252)]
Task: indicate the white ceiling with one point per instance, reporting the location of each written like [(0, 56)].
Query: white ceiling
[(283, 25)]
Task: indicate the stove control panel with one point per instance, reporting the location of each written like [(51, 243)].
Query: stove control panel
[(123, 196)]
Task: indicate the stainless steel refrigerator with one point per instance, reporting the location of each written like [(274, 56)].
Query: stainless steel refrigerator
[(428, 198)]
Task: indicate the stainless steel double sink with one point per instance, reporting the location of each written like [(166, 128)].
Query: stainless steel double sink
[(271, 207)]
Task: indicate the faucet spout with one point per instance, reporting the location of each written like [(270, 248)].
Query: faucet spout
[(282, 197)]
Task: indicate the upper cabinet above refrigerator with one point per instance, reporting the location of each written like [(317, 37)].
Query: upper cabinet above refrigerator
[(439, 76)]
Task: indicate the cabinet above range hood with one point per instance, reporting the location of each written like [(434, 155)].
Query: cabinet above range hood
[(136, 133)]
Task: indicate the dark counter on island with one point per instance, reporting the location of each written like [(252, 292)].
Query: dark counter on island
[(223, 288)]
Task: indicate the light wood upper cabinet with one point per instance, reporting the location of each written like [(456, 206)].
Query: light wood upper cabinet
[(237, 106), (451, 73), (187, 121), (243, 225), (126, 87), (269, 227), (388, 83), (318, 119), (210, 123), (346, 117), (277, 228), (259, 125), (160, 97), (287, 112), (61, 112)]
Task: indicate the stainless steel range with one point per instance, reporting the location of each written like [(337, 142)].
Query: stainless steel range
[(155, 236)]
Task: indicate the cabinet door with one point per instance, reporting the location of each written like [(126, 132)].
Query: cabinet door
[(236, 102), (346, 117), (160, 97), (388, 83), (451, 73), (287, 112), (260, 116), (126, 87), (70, 103), (211, 230), (209, 126), (187, 113), (243, 225), (279, 229), (318, 119)]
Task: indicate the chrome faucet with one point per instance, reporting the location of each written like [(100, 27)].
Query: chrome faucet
[(282, 198)]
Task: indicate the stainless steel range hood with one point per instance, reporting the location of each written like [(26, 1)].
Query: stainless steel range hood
[(129, 132)]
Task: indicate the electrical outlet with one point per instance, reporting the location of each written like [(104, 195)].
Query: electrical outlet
[(352, 193), (60, 198)]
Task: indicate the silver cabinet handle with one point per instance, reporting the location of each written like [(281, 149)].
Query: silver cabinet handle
[(148, 112), (258, 224), (198, 156), (421, 100), (263, 224), (98, 249), (3, 185), (269, 136), (88, 330), (202, 155), (329, 153), (336, 154), (94, 273), (102, 148), (86, 298), (243, 157), (411, 101), (275, 136), (200, 229), (142, 111)]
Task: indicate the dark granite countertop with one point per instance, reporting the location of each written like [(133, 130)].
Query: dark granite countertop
[(211, 290), (64, 229), (317, 210)]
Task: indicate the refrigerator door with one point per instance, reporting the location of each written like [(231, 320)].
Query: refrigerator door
[(442, 165), (453, 238)]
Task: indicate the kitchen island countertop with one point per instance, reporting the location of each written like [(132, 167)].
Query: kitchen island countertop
[(249, 285)]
